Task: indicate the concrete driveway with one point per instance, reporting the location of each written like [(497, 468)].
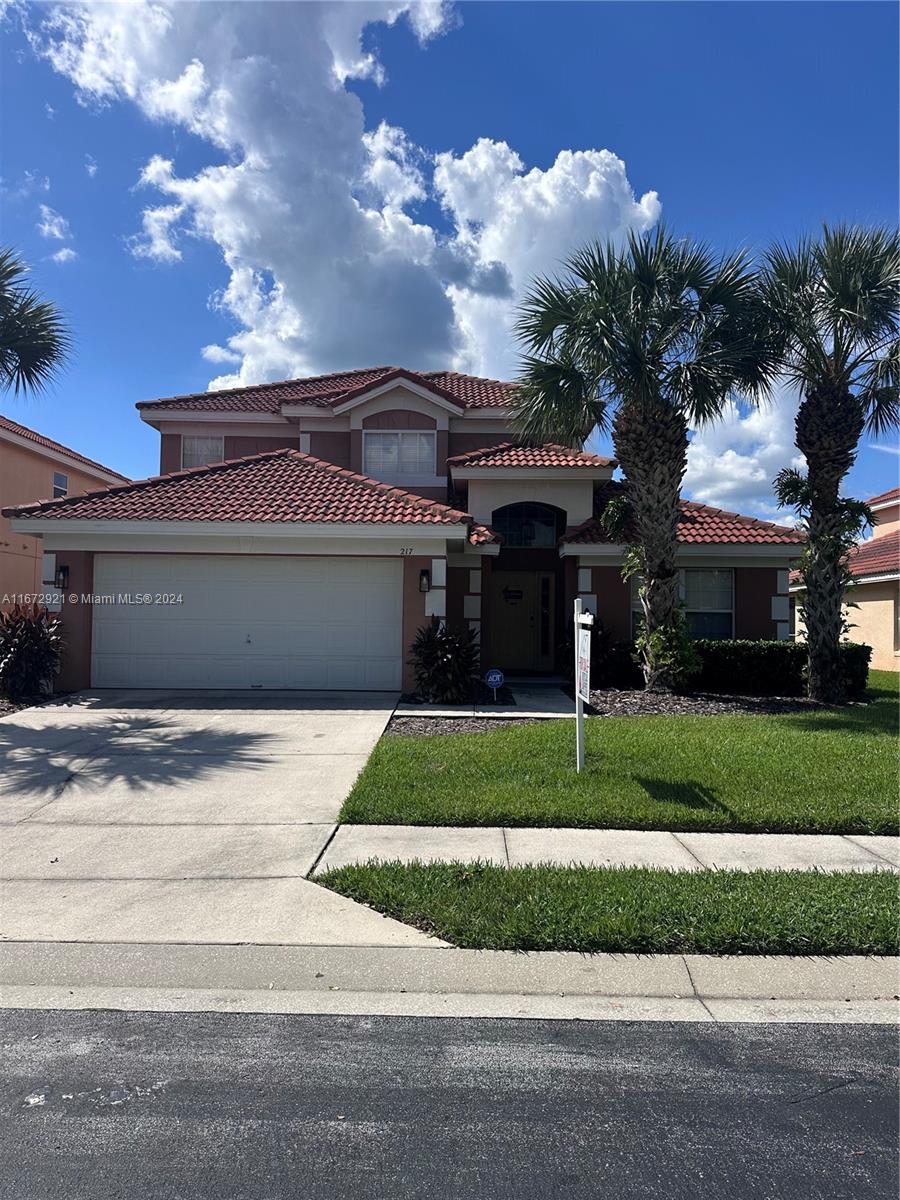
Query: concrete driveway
[(182, 817)]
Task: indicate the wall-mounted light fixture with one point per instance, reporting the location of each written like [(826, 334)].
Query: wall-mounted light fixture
[(424, 580), (61, 578)]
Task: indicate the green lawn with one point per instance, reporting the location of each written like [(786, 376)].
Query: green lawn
[(830, 771), (633, 909)]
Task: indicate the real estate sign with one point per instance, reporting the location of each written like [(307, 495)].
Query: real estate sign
[(583, 663), (583, 623)]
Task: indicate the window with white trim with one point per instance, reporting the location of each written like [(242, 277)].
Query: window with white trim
[(708, 598), (198, 451), (397, 454), (60, 485)]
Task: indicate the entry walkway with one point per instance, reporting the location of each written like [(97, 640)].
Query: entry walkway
[(611, 847)]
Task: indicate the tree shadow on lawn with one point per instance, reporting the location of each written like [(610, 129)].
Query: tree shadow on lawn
[(877, 718), (686, 792)]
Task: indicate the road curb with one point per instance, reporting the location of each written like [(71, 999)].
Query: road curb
[(420, 982)]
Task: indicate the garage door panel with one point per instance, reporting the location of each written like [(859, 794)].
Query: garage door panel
[(311, 622)]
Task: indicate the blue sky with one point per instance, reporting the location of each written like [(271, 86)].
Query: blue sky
[(276, 222)]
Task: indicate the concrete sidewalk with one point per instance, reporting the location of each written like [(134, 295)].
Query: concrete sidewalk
[(607, 847), (436, 981)]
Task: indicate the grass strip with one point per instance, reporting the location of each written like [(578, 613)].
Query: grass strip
[(823, 771), (635, 910)]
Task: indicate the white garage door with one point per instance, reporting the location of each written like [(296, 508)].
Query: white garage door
[(247, 622)]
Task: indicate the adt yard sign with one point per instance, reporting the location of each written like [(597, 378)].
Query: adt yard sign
[(583, 623), (494, 679)]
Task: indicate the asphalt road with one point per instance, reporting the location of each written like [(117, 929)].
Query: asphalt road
[(234, 1107)]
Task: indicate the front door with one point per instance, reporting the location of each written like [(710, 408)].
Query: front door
[(522, 620)]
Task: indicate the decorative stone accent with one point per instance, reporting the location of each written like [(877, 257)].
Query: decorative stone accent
[(781, 608), (436, 603)]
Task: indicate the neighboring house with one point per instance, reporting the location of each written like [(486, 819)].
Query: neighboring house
[(874, 615), (301, 533), (33, 467)]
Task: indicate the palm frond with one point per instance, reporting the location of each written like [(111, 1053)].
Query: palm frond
[(34, 338)]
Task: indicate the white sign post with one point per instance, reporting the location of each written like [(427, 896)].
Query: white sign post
[(583, 623)]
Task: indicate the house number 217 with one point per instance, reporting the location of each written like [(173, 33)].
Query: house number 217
[(405, 551)]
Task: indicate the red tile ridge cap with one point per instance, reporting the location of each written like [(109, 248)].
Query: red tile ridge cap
[(256, 387)]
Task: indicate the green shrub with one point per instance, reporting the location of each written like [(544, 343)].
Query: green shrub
[(771, 668), (445, 663), (613, 664), (855, 658), (30, 646)]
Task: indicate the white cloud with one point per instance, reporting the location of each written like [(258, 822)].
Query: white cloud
[(219, 355), (30, 183), (732, 464), (90, 165), (528, 222), (326, 266), (50, 111), (65, 255), (392, 171), (53, 225), (895, 450), (158, 238)]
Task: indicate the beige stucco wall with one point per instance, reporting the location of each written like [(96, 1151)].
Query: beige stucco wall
[(25, 476), (886, 520), (574, 496), (873, 622)]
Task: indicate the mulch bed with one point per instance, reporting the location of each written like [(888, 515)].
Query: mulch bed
[(611, 702), (12, 706), (428, 726)]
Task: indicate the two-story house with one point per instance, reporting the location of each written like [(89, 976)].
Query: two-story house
[(301, 532), (34, 467)]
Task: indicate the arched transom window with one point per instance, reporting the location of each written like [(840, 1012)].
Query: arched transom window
[(528, 525)]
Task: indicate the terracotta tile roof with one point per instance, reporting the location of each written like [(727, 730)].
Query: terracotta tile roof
[(30, 435), (885, 497), (510, 454), (282, 485), (481, 535), (879, 556), (698, 524), (325, 391)]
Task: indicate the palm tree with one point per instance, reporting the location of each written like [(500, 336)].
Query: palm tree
[(833, 303), (656, 336), (33, 336)]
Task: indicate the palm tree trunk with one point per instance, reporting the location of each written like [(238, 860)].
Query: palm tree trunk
[(651, 442), (829, 424)]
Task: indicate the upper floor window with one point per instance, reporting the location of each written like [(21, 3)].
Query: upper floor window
[(528, 525), (397, 454), (708, 599), (198, 451), (60, 485)]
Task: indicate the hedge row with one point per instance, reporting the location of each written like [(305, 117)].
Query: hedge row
[(741, 667), (772, 668)]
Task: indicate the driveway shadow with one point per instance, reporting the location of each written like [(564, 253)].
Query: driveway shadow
[(140, 752), (687, 792)]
